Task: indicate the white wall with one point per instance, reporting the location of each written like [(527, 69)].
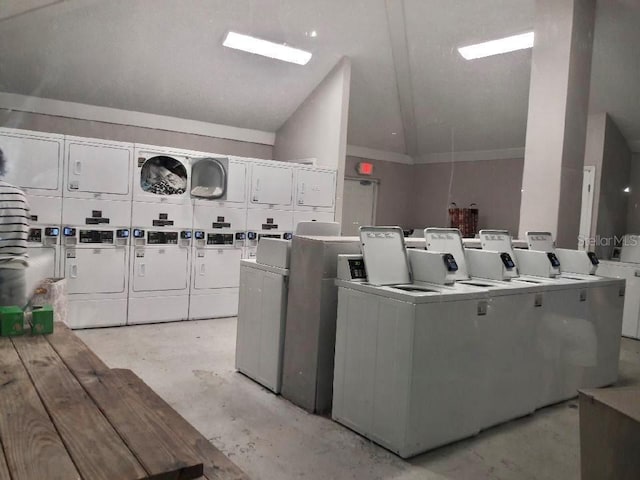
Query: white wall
[(318, 128)]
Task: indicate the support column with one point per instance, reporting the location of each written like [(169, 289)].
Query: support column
[(557, 119), (318, 128)]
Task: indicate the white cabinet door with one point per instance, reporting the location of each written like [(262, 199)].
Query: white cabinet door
[(315, 188), (217, 268), (34, 163), (95, 270), (160, 268), (237, 182), (271, 185), (98, 168)]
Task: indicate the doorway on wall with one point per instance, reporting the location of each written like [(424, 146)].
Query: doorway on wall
[(359, 205), (586, 211)]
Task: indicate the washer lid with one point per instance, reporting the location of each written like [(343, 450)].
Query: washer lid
[(448, 240), (540, 241), (385, 255)]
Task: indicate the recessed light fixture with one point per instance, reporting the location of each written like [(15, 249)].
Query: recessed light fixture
[(313, 34), (394, 133), (265, 48), (627, 190), (496, 47)]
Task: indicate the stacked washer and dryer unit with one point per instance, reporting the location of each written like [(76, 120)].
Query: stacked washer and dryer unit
[(96, 215), (151, 234), (35, 165)]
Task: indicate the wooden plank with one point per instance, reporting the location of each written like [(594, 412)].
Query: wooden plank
[(30, 442), (216, 465), (96, 449), (153, 443), (4, 470)]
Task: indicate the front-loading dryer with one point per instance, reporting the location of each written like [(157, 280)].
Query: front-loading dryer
[(160, 267), (95, 261), (218, 244), (161, 174)]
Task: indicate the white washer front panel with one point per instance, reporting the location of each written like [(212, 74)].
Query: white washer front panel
[(216, 268), (95, 270), (158, 268)]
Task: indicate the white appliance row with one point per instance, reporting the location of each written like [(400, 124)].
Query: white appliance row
[(129, 263), (627, 266), (190, 216), (427, 354), (52, 165)]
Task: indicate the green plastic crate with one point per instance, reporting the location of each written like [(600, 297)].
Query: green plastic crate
[(42, 320), (11, 321)]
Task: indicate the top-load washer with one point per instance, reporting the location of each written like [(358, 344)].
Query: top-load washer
[(97, 169), (604, 303), (574, 351), (506, 333), (34, 161), (409, 371), (161, 175), (627, 267)]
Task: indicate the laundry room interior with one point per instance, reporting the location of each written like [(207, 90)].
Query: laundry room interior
[(278, 239)]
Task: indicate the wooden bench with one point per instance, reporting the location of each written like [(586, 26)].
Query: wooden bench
[(65, 415)]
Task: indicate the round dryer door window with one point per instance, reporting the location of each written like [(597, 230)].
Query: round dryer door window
[(163, 175), (209, 178)]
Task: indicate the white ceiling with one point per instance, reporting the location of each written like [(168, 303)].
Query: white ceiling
[(165, 57)]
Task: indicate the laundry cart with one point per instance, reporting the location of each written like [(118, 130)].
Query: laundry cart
[(218, 244), (161, 174), (95, 244), (34, 161), (97, 169), (267, 223), (160, 264)]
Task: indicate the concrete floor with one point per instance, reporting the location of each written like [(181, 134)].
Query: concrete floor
[(191, 365)]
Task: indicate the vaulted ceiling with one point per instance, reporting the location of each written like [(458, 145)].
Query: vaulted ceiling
[(166, 57)]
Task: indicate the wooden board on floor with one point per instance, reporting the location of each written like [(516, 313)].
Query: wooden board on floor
[(31, 445), (216, 465), (96, 449), (154, 444)]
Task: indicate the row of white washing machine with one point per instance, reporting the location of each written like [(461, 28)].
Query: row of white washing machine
[(139, 262), (56, 166), (427, 354)]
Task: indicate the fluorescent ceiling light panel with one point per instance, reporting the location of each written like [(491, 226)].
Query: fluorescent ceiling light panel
[(265, 48), (496, 47)]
